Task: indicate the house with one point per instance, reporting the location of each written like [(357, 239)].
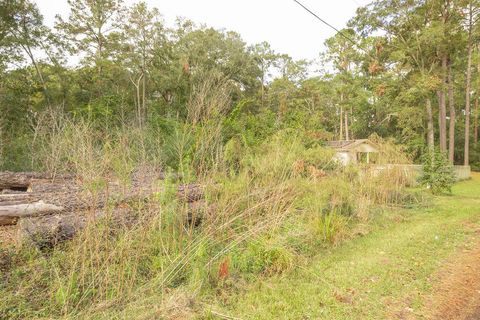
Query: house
[(353, 151)]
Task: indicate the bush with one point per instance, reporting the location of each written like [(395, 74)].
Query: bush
[(438, 174)]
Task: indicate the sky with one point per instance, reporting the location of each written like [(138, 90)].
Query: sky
[(283, 23)]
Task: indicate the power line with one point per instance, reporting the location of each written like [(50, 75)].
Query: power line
[(338, 31), (325, 22)]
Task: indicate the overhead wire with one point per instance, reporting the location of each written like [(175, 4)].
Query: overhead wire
[(332, 27)]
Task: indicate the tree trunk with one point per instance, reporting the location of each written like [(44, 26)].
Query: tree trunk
[(341, 123), (139, 107), (347, 136), (475, 122), (430, 132), (451, 105), (442, 112), (475, 119), (350, 119), (341, 116), (29, 53), (144, 104), (144, 86), (99, 52), (468, 88), (263, 84), (67, 196), (48, 231), (137, 85)]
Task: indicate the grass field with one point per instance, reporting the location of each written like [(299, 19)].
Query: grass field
[(385, 274)]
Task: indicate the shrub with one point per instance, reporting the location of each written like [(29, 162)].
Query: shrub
[(438, 174)]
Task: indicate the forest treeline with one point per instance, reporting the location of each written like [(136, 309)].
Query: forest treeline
[(402, 69)]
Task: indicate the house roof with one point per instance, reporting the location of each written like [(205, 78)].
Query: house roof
[(346, 145)]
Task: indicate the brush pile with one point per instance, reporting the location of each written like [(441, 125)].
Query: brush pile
[(49, 209)]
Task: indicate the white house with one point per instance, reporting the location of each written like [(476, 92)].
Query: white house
[(353, 151)]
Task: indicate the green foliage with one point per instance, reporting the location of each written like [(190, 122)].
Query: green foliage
[(339, 198), (145, 73), (260, 256), (329, 226), (178, 148), (475, 159), (232, 154), (437, 173)]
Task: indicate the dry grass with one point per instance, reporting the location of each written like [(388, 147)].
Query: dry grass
[(159, 257)]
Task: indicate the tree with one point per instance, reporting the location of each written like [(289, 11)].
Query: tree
[(451, 104), (205, 52), (343, 54), (21, 33), (476, 111), (471, 16), (449, 39), (90, 28), (143, 33), (443, 9), (266, 58), (413, 36)]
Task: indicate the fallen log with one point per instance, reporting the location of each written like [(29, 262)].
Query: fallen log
[(16, 206), (22, 180), (66, 195), (47, 231), (11, 213), (18, 197), (58, 186), (65, 199), (17, 179)]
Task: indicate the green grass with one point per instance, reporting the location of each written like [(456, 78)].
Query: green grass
[(374, 276)]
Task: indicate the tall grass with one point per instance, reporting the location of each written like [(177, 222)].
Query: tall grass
[(263, 208)]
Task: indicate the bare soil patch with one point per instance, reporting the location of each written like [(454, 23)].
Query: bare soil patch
[(456, 294)]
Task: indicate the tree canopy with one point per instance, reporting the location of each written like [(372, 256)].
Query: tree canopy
[(402, 69)]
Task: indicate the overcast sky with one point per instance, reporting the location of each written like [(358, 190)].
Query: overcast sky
[(286, 26)]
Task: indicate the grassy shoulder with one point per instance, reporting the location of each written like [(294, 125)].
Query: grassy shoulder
[(385, 273)]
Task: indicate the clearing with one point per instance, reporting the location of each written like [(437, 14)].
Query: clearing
[(415, 264)]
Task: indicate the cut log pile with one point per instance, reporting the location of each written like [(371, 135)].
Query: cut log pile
[(19, 181), (50, 209)]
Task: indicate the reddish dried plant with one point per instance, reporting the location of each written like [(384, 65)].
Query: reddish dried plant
[(223, 269)]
